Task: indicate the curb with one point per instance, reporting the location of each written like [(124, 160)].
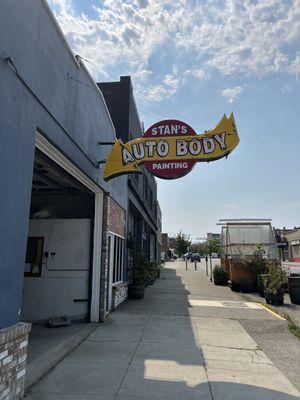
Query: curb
[(275, 314)]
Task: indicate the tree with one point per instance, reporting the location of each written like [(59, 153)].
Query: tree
[(182, 243), (214, 246)]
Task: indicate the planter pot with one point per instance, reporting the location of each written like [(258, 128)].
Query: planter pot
[(220, 280), (260, 284), (136, 291), (274, 299), (247, 287), (151, 280), (235, 287), (294, 289)]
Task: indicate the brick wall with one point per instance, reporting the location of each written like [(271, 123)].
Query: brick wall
[(13, 354), (120, 294), (114, 218)]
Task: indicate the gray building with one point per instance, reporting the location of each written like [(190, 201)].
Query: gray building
[(292, 240), (61, 224), (142, 189), (213, 236), (159, 233)]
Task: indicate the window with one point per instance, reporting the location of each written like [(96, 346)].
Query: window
[(34, 256), (118, 255)]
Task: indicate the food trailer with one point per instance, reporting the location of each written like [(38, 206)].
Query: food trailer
[(240, 238)]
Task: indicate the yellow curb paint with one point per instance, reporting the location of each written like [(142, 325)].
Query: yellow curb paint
[(272, 312)]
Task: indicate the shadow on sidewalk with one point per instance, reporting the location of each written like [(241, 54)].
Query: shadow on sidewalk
[(140, 353)]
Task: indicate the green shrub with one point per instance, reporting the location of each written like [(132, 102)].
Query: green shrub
[(219, 271), (139, 263), (256, 262), (275, 278)]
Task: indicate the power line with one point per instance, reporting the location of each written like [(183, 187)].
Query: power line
[(145, 109), (149, 99), (175, 112)]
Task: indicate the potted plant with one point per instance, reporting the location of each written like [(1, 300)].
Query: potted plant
[(153, 270), (247, 286), (158, 270), (136, 289), (255, 265), (259, 263), (220, 275), (294, 288), (260, 284), (273, 284)]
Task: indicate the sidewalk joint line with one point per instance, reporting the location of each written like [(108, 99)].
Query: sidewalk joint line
[(132, 357)]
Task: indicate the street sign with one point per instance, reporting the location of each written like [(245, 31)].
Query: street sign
[(170, 148)]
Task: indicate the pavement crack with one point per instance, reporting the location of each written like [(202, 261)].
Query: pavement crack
[(132, 357), (204, 364), (229, 347)]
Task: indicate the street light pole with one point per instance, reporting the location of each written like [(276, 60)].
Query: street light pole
[(210, 263)]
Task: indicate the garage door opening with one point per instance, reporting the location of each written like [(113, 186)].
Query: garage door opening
[(58, 265)]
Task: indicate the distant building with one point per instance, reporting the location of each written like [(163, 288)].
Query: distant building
[(165, 246), (172, 242), (159, 234), (282, 242), (214, 236), (293, 240)]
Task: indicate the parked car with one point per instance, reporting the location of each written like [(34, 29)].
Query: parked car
[(214, 255), (195, 257), (189, 255)]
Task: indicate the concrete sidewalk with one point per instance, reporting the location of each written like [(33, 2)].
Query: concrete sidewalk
[(47, 347), (184, 341)]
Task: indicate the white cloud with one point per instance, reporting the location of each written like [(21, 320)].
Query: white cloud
[(197, 73), (143, 74), (172, 82), (295, 66), (158, 93), (232, 37), (64, 6), (232, 94)]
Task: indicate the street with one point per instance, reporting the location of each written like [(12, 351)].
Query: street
[(187, 339)]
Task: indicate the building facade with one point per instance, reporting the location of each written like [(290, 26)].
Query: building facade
[(159, 233), (62, 229), (142, 190), (165, 246), (293, 242), (213, 236)]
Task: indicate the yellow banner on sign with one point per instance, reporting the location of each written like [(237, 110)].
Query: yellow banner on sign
[(209, 146)]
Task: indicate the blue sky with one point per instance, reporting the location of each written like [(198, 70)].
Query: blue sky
[(195, 61)]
